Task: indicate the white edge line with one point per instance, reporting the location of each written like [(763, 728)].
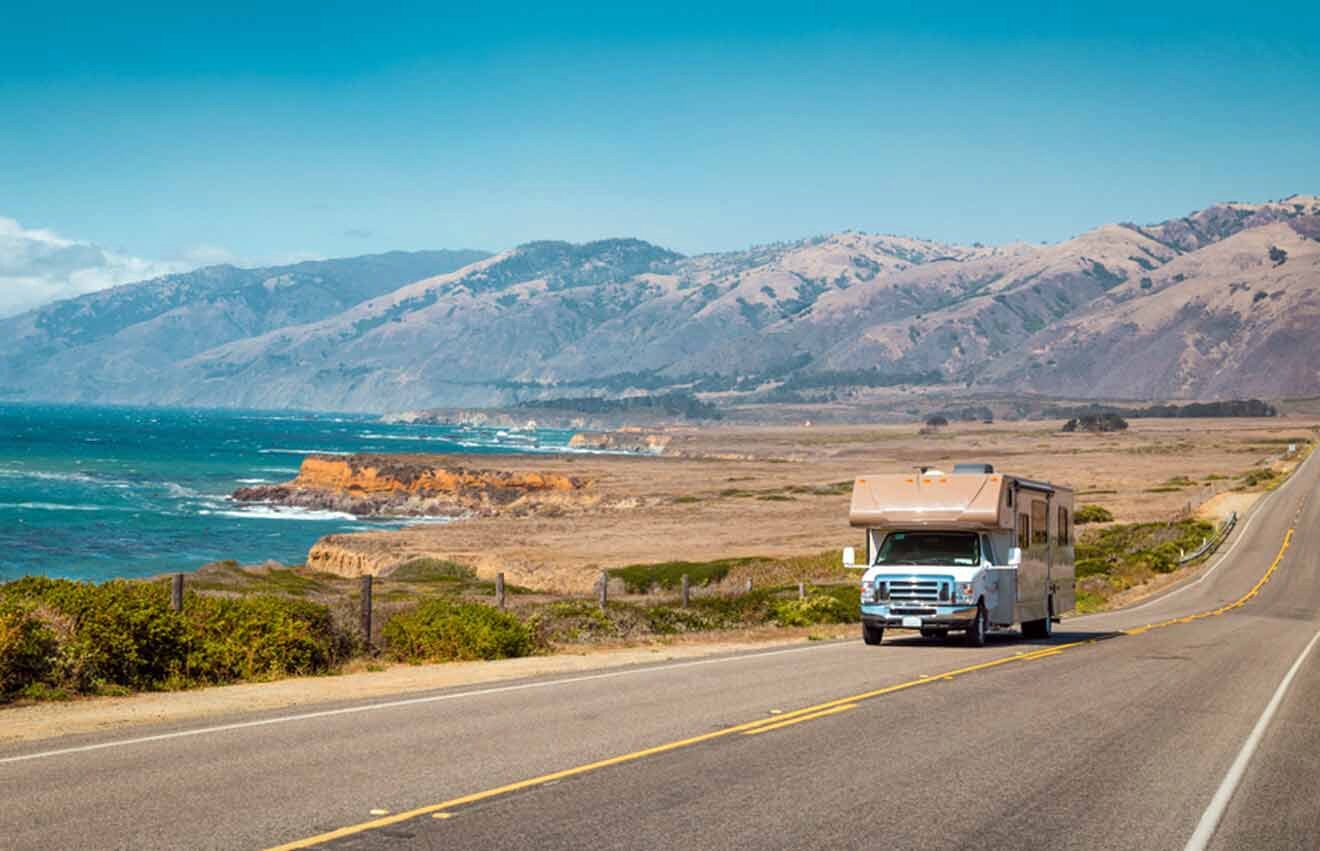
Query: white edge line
[(412, 701), (1205, 829)]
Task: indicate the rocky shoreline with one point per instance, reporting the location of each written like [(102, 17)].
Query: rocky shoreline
[(418, 486)]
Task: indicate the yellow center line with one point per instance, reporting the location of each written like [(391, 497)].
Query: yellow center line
[(1239, 602), (765, 725), (813, 716)]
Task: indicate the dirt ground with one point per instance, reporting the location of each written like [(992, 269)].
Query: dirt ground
[(729, 491)]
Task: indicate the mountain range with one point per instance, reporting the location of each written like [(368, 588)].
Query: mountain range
[(1222, 303)]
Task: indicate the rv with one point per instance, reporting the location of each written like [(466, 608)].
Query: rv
[(968, 551)]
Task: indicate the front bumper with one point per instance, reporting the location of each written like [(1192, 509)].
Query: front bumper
[(943, 617)]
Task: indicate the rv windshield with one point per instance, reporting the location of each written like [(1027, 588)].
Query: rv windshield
[(942, 548)]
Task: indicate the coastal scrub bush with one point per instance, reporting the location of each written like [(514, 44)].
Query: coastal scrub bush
[(669, 620), (120, 633), (1118, 557), (260, 637), (27, 651), (1257, 477), (1092, 514), (123, 635), (579, 620), (426, 569), (443, 630), (642, 578), (812, 610)]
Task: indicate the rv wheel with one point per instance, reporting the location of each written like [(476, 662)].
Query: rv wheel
[(976, 632), (872, 635)]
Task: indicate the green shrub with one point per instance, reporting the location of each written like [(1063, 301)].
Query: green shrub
[(27, 651), (641, 578), (431, 570), (668, 620), (259, 638), (848, 595), (1258, 477), (123, 636), (736, 611), (814, 609), (444, 630), (119, 633), (1118, 557), (1092, 514)]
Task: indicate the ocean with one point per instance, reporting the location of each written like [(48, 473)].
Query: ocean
[(103, 492)]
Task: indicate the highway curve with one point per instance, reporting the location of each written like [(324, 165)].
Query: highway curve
[(1188, 722)]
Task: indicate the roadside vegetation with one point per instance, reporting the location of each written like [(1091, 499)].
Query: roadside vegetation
[(1092, 514), (1115, 558), (61, 639)]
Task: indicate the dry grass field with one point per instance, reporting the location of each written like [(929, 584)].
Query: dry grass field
[(775, 491)]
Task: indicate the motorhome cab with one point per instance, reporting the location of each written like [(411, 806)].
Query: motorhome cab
[(969, 551)]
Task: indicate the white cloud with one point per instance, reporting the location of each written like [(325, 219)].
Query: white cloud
[(40, 266)]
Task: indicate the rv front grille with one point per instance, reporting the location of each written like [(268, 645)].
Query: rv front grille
[(919, 590)]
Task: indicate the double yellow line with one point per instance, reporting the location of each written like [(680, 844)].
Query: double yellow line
[(1240, 601), (764, 725)]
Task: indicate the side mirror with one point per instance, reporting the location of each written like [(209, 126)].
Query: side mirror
[(1014, 556), (850, 557)]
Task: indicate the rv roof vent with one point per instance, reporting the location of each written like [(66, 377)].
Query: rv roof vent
[(981, 469)]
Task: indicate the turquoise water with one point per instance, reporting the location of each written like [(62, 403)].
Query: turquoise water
[(103, 492)]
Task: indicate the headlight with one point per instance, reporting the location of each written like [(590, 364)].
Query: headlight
[(966, 592), (868, 590)]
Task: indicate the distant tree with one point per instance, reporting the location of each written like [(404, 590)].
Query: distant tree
[(936, 421), (1277, 255), (1147, 283), (1096, 423)]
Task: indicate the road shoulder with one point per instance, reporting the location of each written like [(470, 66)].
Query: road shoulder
[(35, 722)]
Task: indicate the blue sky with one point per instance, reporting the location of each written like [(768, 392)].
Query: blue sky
[(182, 135)]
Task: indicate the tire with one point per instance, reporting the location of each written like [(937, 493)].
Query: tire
[(872, 635), (937, 634), (977, 631)]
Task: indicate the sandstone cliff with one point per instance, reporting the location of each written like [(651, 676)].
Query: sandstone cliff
[(420, 486)]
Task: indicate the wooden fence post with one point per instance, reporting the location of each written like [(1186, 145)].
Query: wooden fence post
[(749, 585), (604, 589), (176, 592), (802, 590), (499, 590), (687, 590), (365, 582)]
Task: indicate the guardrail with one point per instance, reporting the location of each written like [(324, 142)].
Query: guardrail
[(1209, 545)]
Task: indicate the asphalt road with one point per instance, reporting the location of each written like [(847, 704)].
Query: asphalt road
[(1109, 735)]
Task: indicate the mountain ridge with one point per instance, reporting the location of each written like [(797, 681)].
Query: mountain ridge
[(1215, 302)]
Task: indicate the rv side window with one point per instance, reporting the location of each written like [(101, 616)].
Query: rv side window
[(1040, 522), (1065, 534), (1024, 531)]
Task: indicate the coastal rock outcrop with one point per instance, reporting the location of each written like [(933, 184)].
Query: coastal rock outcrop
[(420, 486), (624, 440)]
